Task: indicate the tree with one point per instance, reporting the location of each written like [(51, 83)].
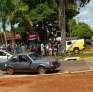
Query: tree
[(40, 9), (32, 11), (12, 11), (17, 12), (63, 5), (3, 12), (71, 26), (81, 30), (45, 10)]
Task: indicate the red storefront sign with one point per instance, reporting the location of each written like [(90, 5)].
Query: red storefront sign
[(32, 37)]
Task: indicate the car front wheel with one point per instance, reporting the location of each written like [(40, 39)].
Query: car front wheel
[(10, 71), (41, 70)]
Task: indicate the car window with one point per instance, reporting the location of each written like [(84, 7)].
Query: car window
[(35, 56), (14, 60), (2, 53), (22, 58), (69, 43)]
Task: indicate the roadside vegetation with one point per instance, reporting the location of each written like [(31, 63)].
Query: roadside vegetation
[(79, 29), (30, 13), (85, 55)]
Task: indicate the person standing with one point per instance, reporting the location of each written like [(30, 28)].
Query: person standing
[(46, 49), (42, 49), (23, 48), (50, 49), (18, 48), (55, 49)]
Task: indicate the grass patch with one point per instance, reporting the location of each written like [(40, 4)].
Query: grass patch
[(83, 54)]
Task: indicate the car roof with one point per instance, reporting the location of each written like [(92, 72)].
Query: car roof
[(16, 55), (26, 53), (5, 51)]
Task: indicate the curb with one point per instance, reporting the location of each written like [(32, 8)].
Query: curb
[(77, 59)]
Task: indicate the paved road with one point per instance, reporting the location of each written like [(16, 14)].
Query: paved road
[(71, 66)]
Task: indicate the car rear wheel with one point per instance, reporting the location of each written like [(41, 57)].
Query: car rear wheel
[(76, 50), (41, 70), (10, 71)]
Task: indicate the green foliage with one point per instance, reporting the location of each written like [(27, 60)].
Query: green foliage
[(18, 9), (79, 29), (20, 30), (30, 11), (40, 12)]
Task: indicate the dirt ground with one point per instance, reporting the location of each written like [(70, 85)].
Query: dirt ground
[(51, 83)]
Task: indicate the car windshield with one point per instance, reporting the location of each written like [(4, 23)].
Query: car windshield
[(35, 56), (12, 58)]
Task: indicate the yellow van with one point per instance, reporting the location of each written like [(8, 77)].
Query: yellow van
[(75, 45)]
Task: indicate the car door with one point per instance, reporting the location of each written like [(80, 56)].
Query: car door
[(3, 56), (23, 63)]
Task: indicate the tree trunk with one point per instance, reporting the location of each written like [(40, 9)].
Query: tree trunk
[(4, 29), (62, 23)]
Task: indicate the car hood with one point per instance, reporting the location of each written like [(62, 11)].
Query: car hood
[(46, 60)]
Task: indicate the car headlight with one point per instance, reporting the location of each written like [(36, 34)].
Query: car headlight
[(5, 65)]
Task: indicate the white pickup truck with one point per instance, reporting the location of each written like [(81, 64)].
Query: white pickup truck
[(4, 56)]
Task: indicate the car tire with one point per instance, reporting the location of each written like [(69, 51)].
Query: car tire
[(41, 70), (76, 50), (10, 71)]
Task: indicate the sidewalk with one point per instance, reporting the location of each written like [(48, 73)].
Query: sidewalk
[(72, 66), (76, 59)]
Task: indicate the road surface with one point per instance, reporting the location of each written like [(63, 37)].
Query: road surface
[(82, 82)]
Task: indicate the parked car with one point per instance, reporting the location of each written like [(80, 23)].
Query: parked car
[(88, 41), (4, 56), (30, 62)]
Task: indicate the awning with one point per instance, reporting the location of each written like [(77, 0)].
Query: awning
[(32, 37)]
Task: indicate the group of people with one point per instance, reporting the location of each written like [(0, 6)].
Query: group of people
[(17, 48), (45, 49), (51, 48)]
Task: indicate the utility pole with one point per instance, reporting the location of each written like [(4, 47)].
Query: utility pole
[(62, 24)]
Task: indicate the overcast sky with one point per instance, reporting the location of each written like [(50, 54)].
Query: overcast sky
[(86, 14)]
